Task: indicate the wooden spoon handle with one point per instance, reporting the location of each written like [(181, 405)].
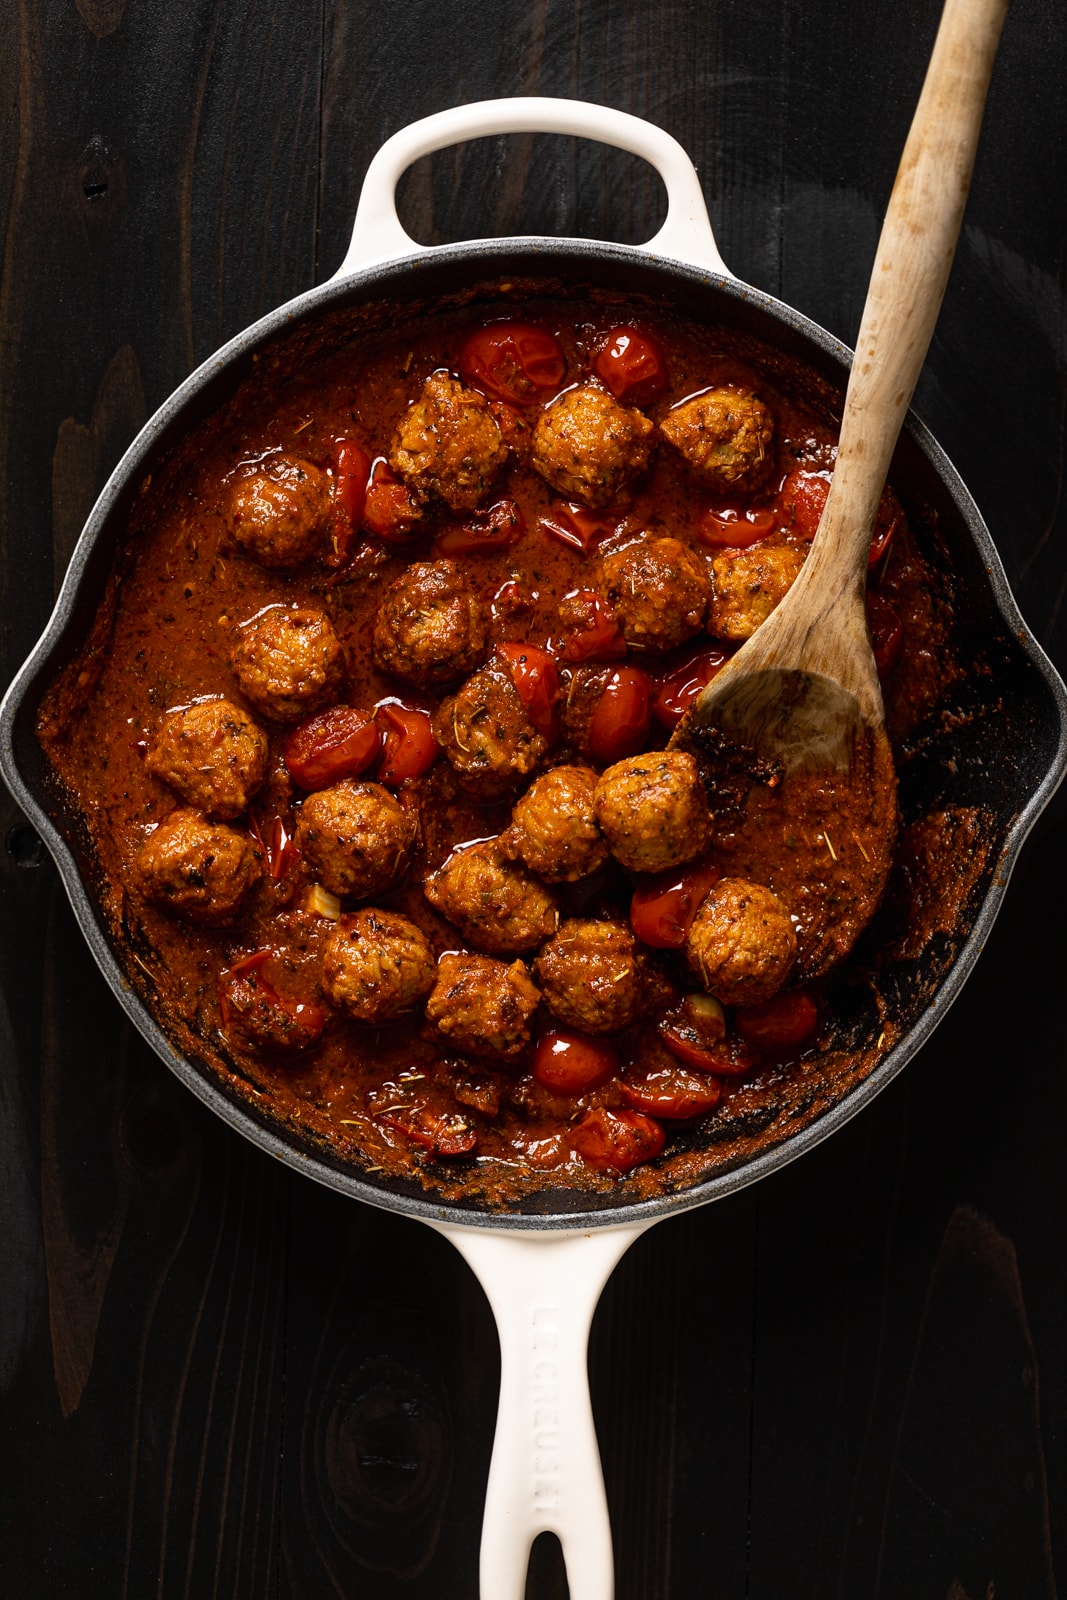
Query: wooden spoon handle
[(910, 272)]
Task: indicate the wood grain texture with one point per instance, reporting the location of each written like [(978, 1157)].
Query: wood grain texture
[(218, 1380)]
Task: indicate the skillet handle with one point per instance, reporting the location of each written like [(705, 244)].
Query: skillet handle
[(686, 234), (545, 1474)]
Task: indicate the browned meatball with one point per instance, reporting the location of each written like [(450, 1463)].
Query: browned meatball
[(212, 754), (430, 627), (448, 444), (746, 585), (279, 513), (481, 1006), (289, 662), (356, 838), (486, 734), (196, 869), (586, 445), (658, 590), (742, 945), (377, 965), (590, 975), (554, 827), (725, 436), (653, 810), (495, 904)]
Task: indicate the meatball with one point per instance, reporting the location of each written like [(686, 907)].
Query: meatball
[(430, 627), (279, 514), (586, 445), (659, 592), (289, 663), (481, 1006), (590, 976), (377, 964), (554, 827), (212, 755), (496, 905), (356, 838), (746, 585), (742, 945), (196, 869), (448, 444), (486, 734), (653, 810), (725, 437)]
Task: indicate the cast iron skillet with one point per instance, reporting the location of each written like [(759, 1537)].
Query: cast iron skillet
[(1003, 751)]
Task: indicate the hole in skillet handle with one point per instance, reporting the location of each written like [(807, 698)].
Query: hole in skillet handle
[(527, 183)]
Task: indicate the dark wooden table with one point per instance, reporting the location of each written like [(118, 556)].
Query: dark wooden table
[(220, 1380)]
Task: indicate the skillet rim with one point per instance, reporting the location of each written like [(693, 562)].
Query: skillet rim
[(538, 254)]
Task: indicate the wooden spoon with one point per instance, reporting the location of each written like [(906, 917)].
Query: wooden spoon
[(800, 704)]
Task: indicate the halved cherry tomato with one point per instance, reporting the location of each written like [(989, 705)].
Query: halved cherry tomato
[(494, 528), (673, 1093), (274, 839), (663, 907), (536, 678), (389, 512), (409, 748), (338, 743), (620, 723), (571, 1063), (725, 1058), (577, 526), (442, 1132), (887, 632), (802, 498), (513, 361), (617, 1139), (678, 689), (250, 1005), (351, 475), (736, 530), (779, 1024), (600, 639), (630, 363)]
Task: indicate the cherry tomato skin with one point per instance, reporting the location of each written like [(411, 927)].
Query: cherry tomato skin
[(672, 1093), (779, 1024), (339, 743), (602, 640), (887, 633), (730, 1058), (273, 839), (536, 679), (443, 1133), (250, 1006), (409, 748), (571, 1063), (662, 909), (620, 1140), (495, 528), (389, 511), (736, 530), (802, 498), (351, 469), (630, 363), (677, 691), (620, 723), (513, 361), (577, 526)]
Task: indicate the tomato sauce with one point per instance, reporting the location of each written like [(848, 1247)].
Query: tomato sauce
[(646, 1106)]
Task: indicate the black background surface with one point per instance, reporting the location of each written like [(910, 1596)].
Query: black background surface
[(220, 1380)]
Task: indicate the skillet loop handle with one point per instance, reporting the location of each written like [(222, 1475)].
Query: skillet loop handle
[(686, 234), (545, 1474)]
